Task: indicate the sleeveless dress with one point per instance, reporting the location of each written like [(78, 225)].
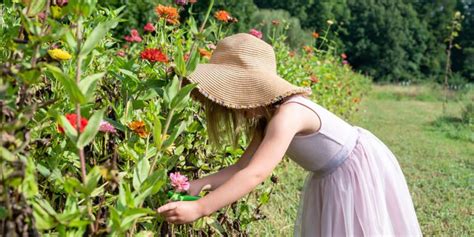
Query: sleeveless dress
[(355, 186)]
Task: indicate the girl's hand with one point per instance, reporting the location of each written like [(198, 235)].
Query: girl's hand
[(181, 212)]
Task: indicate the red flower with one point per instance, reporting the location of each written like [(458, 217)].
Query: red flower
[(133, 37), (154, 55), (121, 53), (149, 27), (256, 33), (315, 35), (72, 118), (343, 56)]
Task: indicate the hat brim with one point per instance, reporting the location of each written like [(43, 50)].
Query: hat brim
[(238, 88)]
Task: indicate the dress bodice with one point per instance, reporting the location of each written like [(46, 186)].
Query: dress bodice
[(323, 150)]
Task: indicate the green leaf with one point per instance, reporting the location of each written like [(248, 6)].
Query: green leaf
[(3, 212), (193, 61), (132, 214), (29, 186), (92, 179), (88, 84), (157, 133), (140, 173), (71, 41), (91, 129), (69, 85), (155, 181), (181, 98), (174, 135), (171, 90), (6, 154), (69, 130), (35, 7), (179, 60), (97, 34)]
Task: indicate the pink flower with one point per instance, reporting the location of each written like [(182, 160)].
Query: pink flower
[(256, 33), (133, 37), (149, 27), (61, 3), (106, 127), (181, 2), (179, 182), (121, 53), (345, 62), (344, 56)]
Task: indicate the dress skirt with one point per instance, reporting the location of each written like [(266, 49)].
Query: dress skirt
[(366, 195)]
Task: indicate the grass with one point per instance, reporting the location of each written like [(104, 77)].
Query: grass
[(438, 165)]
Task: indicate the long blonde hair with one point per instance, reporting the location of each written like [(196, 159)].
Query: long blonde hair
[(226, 125)]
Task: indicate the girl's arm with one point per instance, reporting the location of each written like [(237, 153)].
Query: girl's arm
[(215, 180), (280, 132)]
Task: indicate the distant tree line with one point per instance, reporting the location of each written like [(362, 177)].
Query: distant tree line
[(390, 40)]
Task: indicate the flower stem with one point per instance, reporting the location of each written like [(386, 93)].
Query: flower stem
[(78, 106)]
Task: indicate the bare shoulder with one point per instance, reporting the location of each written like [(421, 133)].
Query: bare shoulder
[(299, 116)]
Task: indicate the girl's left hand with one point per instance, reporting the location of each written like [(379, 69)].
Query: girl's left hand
[(181, 212)]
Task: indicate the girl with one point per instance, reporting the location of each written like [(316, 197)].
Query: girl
[(355, 186)]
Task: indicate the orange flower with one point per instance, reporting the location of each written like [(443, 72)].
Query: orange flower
[(315, 35), (169, 13), (224, 16), (314, 78), (356, 100), (139, 128), (291, 54), (308, 49), (205, 53)]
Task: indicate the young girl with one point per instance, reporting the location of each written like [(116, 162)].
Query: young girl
[(355, 186)]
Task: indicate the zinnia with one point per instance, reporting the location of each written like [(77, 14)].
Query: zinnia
[(106, 127), (133, 37), (72, 118), (179, 182), (59, 54), (343, 56), (205, 53), (154, 55), (149, 27), (139, 128), (308, 49), (169, 13), (181, 2), (256, 33), (315, 35), (224, 16)]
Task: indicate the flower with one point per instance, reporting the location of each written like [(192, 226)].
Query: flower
[(121, 53), (169, 13), (133, 37), (186, 57), (291, 54), (149, 27), (205, 53), (224, 16), (181, 2), (192, 1), (72, 118), (314, 78), (330, 22), (345, 62), (256, 33), (343, 56), (154, 55), (56, 12), (315, 35), (211, 46), (106, 127), (356, 100), (59, 54), (275, 22), (308, 49), (179, 182), (139, 128), (61, 3)]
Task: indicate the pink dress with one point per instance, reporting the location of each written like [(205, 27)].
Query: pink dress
[(355, 186)]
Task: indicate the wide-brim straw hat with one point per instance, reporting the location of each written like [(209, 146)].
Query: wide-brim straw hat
[(242, 74)]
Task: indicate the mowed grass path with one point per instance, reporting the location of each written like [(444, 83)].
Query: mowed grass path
[(438, 169)]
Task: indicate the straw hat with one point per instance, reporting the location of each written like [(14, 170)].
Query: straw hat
[(242, 74)]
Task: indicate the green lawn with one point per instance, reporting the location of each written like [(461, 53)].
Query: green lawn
[(438, 168)]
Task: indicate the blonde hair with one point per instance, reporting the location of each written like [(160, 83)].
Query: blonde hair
[(227, 125)]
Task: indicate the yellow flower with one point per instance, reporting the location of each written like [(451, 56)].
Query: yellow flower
[(56, 12), (59, 54)]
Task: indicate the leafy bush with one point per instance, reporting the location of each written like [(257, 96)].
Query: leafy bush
[(92, 123)]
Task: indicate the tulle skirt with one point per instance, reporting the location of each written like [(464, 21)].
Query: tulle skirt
[(367, 195)]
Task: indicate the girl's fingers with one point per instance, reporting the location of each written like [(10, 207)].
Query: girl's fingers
[(172, 219), (167, 207)]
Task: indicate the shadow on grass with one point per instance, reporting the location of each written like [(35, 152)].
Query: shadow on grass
[(453, 127)]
